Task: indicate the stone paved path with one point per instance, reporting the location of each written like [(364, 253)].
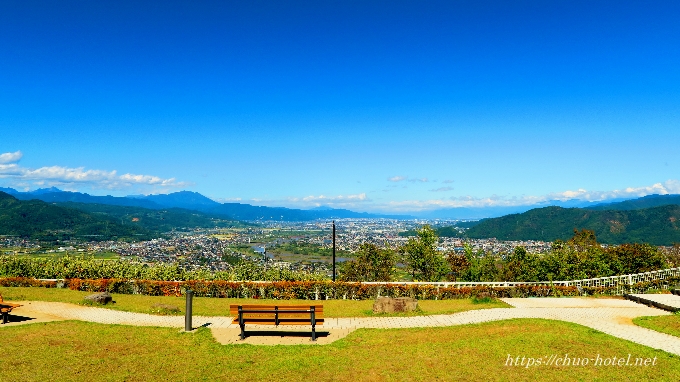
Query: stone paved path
[(611, 316), (666, 299)]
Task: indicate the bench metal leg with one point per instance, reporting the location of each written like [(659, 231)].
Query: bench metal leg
[(241, 323), (313, 319), (5, 317)]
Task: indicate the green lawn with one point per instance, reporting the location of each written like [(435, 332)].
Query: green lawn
[(106, 255), (665, 324), (205, 306), (81, 351)]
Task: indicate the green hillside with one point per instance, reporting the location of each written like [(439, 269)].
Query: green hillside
[(657, 226), (162, 220), (35, 219)]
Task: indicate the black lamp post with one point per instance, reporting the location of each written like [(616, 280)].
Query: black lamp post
[(333, 250)]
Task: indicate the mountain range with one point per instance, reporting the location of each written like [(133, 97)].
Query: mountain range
[(242, 211), (197, 202)]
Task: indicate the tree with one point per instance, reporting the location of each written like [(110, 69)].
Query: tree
[(371, 264), (459, 265), (583, 240), (637, 258), (421, 256), (521, 266), (673, 255)]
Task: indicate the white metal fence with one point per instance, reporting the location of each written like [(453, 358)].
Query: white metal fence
[(622, 283)]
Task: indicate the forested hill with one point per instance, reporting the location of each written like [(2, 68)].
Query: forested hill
[(161, 220), (36, 219), (657, 226)]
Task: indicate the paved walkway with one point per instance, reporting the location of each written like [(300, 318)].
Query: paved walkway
[(611, 316)]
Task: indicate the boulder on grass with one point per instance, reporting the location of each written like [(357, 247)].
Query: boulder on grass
[(101, 298), (395, 305)]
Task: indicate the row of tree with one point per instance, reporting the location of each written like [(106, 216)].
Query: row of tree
[(580, 257)]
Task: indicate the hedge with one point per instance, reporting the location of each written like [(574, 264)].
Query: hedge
[(305, 290)]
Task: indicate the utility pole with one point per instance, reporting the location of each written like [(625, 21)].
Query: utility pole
[(333, 250)]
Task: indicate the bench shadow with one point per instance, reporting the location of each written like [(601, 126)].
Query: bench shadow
[(284, 333), (15, 318)]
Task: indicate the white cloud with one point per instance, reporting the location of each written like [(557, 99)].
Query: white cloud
[(362, 202), (69, 178), (397, 178), (11, 157), (668, 187)]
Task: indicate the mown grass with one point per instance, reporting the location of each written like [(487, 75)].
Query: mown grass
[(664, 324), (81, 351), (204, 306)]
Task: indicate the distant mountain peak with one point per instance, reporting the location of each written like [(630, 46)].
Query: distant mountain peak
[(8, 190), (41, 191), (321, 208)]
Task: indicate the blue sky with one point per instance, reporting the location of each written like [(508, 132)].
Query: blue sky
[(390, 106)]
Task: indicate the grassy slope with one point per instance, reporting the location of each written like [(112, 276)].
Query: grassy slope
[(204, 306), (664, 324), (86, 351)]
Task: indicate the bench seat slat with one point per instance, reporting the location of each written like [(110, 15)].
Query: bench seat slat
[(281, 322)]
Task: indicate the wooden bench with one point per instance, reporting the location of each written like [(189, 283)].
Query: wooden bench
[(277, 315), (5, 308)]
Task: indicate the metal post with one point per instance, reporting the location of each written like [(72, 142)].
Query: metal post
[(187, 315), (333, 250)]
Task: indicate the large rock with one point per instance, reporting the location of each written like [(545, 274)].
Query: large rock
[(394, 305), (102, 298)]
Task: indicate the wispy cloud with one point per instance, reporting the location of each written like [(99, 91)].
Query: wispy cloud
[(69, 178), (400, 178), (448, 181), (442, 189), (338, 201)]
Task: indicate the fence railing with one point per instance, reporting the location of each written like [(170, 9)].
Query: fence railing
[(620, 282)]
